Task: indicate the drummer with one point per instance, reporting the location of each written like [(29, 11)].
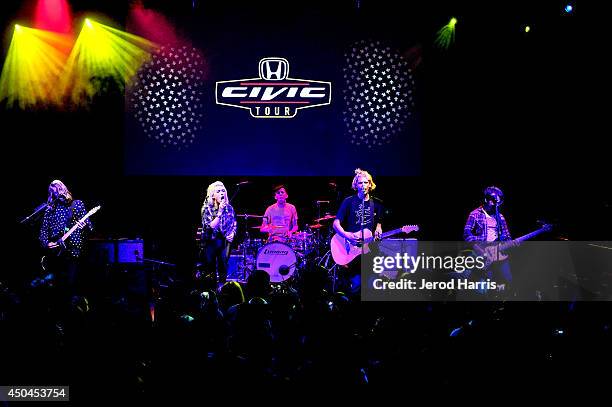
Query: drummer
[(280, 220)]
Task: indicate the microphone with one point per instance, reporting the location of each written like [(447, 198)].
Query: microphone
[(493, 198), (320, 202), (223, 201), (39, 208), (243, 183)]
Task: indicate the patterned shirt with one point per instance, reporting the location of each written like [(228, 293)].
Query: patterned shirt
[(58, 219), (475, 229), (351, 211), (227, 225)]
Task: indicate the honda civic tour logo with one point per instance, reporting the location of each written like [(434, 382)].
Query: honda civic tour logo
[(273, 95)]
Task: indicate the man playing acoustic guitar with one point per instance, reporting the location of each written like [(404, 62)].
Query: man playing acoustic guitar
[(357, 213)]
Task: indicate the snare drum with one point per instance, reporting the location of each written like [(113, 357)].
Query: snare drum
[(302, 242), (278, 260), (277, 239), (253, 245)]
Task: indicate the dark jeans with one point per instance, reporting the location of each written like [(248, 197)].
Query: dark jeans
[(68, 284), (500, 272), (350, 281), (216, 254)]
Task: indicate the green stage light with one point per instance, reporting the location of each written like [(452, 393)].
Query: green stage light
[(446, 35)]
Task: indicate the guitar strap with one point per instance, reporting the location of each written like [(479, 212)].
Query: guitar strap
[(372, 214), (71, 213)]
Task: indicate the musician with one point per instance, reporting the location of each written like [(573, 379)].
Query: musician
[(281, 218), (62, 213), (487, 224), (219, 229), (356, 213)]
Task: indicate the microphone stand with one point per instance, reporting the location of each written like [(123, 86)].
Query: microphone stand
[(498, 220), (36, 211), (235, 193), (318, 232), (362, 224)]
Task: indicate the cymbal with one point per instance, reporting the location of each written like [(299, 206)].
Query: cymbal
[(273, 226), (301, 235), (326, 217), (316, 226)]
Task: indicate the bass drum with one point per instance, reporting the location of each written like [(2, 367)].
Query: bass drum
[(278, 260)]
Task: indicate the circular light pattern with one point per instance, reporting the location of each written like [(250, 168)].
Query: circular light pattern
[(378, 93), (166, 96)]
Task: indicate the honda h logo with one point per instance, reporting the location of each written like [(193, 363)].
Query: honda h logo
[(273, 69), (274, 94)]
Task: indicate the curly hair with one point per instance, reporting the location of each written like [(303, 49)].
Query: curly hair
[(493, 190)]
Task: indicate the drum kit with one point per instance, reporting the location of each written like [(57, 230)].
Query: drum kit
[(282, 256)]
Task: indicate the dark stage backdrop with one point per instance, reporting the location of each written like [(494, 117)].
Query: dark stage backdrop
[(369, 61)]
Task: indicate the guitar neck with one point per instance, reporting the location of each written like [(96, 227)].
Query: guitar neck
[(70, 231), (75, 226), (391, 233), (523, 238)]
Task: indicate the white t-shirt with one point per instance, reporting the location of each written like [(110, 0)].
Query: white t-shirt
[(283, 219), (491, 227)]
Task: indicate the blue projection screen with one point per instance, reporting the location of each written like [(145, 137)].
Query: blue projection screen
[(276, 101)]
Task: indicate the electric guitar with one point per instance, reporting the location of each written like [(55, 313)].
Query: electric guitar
[(344, 252), (59, 244), (494, 252)]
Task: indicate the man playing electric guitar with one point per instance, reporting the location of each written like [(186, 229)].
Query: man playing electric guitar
[(487, 224), (357, 213), (62, 214)]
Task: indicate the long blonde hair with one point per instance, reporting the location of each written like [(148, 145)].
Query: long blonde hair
[(209, 201), (58, 189), (358, 173)]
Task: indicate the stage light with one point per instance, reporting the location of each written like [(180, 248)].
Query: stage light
[(53, 15), (568, 9), (446, 35), (166, 97), (103, 56), (378, 99), (527, 28), (32, 67), (153, 26)]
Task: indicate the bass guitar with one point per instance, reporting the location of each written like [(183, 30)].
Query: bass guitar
[(495, 251)]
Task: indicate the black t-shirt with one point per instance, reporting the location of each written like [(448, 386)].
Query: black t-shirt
[(350, 213)]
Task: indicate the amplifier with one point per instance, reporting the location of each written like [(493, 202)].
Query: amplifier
[(116, 251), (391, 247)]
